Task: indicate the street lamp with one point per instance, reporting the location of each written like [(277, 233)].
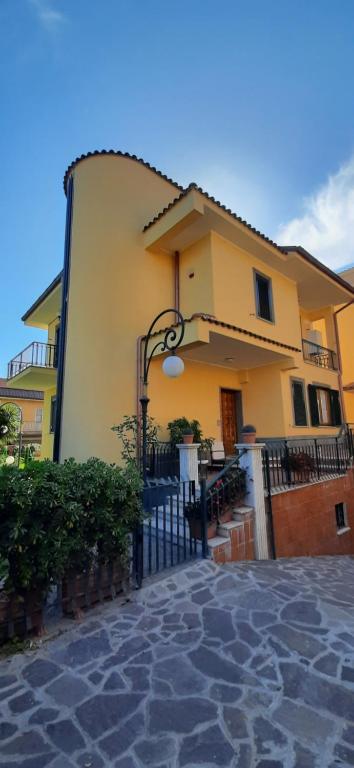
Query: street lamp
[(172, 367)]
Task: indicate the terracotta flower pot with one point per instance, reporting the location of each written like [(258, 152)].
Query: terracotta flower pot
[(188, 439), (249, 437)]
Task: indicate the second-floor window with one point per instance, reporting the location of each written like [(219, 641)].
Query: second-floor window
[(299, 403), (264, 297)]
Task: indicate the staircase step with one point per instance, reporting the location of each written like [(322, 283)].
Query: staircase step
[(241, 512), (216, 541), (224, 528)]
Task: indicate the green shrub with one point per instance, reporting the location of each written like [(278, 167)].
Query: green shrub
[(182, 426), (56, 519)]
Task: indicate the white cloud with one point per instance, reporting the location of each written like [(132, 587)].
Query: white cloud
[(50, 17), (236, 188), (326, 227)]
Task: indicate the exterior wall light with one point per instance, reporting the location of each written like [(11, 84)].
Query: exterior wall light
[(173, 366)]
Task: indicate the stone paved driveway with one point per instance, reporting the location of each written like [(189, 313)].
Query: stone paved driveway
[(248, 665)]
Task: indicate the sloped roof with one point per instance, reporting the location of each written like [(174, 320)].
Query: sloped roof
[(116, 153), (24, 394)]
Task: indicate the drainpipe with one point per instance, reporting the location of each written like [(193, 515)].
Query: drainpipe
[(63, 322), (176, 282), (340, 367), (138, 390)]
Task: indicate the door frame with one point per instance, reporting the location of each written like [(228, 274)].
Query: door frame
[(238, 410)]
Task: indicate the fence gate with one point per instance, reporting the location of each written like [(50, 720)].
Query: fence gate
[(172, 531)]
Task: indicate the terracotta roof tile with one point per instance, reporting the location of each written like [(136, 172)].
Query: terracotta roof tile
[(216, 202), (212, 320), (116, 153)]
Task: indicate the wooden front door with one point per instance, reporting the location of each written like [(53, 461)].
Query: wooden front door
[(230, 405)]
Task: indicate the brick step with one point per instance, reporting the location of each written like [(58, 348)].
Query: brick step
[(224, 529), (242, 512)]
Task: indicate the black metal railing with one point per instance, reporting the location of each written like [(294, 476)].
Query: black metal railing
[(321, 356), (162, 460), (36, 354), (222, 492), (172, 532), (288, 463)]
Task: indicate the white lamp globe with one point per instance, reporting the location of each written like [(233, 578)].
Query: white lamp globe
[(9, 460), (4, 429), (173, 366)]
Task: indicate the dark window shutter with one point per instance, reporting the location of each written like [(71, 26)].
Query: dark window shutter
[(315, 419), (299, 404), (335, 408)]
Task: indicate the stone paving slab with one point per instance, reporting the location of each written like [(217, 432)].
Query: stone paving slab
[(248, 665)]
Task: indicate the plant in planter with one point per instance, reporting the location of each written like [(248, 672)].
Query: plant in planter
[(300, 463), (188, 436), (65, 522), (248, 433), (129, 433), (110, 499), (178, 427)]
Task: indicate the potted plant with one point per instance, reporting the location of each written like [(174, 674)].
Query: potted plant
[(178, 427), (248, 433), (188, 436), (299, 464)]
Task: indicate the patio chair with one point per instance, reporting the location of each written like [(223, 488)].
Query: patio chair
[(217, 455)]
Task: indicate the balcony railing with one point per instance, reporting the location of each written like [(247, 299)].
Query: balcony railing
[(321, 356), (32, 427), (36, 354)]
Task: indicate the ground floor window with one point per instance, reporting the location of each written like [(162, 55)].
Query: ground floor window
[(299, 403), (53, 410), (341, 516), (324, 406)]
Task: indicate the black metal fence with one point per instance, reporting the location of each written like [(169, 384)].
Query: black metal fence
[(291, 462), (173, 531), (226, 489), (162, 460)]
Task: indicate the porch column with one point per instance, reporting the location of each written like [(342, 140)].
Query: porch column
[(251, 461), (188, 462)]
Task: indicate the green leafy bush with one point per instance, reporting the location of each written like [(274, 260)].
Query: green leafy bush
[(182, 426), (129, 432), (56, 519)]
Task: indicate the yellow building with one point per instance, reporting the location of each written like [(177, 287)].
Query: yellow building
[(29, 403), (260, 342), (345, 325)]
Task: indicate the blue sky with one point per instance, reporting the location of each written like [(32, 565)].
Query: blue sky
[(251, 99)]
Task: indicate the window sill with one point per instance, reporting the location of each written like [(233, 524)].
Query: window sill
[(264, 320), (346, 529)]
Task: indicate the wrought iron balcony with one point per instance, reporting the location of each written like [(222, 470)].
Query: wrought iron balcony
[(32, 427), (321, 356), (37, 355)]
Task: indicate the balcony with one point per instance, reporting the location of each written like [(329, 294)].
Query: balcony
[(321, 356), (34, 367), (32, 428)]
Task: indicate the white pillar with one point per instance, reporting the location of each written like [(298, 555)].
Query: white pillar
[(188, 462), (251, 461)]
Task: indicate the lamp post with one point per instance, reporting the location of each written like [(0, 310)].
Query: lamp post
[(172, 367), (4, 429)]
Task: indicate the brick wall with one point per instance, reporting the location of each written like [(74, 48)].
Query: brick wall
[(238, 546), (304, 519)]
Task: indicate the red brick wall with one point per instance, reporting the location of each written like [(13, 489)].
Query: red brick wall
[(305, 521), (239, 546)]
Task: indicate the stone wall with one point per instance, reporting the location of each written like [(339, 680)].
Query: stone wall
[(304, 519)]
